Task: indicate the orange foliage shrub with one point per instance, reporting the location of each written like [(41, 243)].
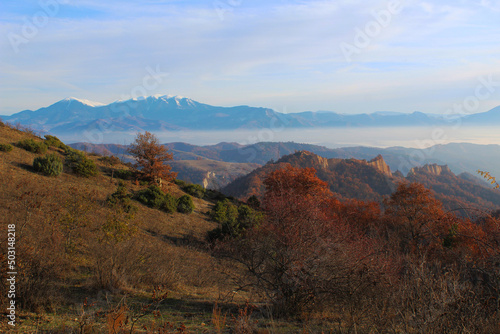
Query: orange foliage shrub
[(416, 219), (151, 157), (303, 257)]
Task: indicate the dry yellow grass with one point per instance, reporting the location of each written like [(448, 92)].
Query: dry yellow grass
[(62, 218)]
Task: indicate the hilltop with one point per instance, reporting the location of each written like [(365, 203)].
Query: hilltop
[(373, 180)]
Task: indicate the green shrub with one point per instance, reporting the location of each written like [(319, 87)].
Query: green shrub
[(32, 146), (185, 204), (121, 198), (180, 183), (253, 202), (80, 164), (53, 141), (155, 198), (233, 220), (123, 174), (226, 214), (224, 211), (246, 216), (194, 190), (5, 147), (152, 197), (169, 205), (50, 165), (68, 150), (214, 195), (85, 168), (218, 213)]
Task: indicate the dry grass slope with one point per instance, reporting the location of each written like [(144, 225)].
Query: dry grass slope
[(65, 256)]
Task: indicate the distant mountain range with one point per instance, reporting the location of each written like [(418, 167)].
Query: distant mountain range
[(161, 113)]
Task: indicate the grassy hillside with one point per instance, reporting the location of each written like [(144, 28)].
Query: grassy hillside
[(72, 246)]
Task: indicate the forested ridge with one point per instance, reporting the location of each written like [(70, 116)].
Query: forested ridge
[(372, 180)]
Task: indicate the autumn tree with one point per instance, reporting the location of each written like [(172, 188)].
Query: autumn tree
[(449, 275), (416, 216), (151, 157), (302, 256)]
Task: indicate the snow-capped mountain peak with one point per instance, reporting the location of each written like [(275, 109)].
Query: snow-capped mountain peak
[(162, 97), (83, 101)]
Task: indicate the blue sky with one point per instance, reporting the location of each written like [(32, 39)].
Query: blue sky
[(287, 55)]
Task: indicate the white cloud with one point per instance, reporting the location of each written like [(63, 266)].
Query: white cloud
[(271, 53)]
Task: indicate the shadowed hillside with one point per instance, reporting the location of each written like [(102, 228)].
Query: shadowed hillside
[(372, 181), (74, 246)]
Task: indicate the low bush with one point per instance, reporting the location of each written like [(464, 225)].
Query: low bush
[(122, 199), (50, 165), (253, 202), (53, 141), (155, 198), (233, 220), (169, 205), (80, 164), (32, 146), (214, 195), (5, 147), (123, 174), (185, 204), (152, 197), (194, 190), (180, 183)]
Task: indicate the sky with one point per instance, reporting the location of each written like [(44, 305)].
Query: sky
[(343, 56)]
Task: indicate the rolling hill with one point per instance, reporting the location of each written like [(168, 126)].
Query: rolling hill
[(459, 157), (373, 181)]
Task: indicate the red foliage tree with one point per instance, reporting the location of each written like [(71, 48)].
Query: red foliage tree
[(303, 255), (416, 216), (151, 157)]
